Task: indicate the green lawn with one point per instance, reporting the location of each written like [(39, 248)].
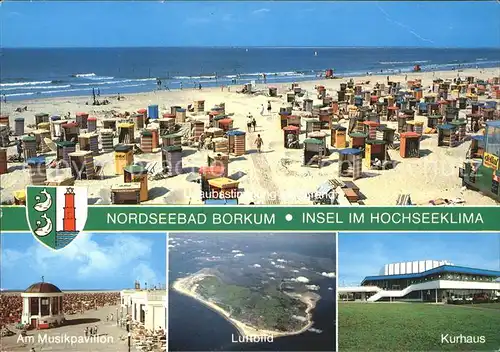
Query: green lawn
[(415, 326)]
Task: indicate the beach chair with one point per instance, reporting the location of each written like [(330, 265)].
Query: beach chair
[(99, 172)]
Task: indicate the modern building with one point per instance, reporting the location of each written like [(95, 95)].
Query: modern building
[(148, 307), (42, 305), (426, 281)]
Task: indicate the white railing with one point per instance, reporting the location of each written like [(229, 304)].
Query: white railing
[(437, 284)]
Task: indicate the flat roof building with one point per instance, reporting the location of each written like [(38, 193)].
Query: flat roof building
[(426, 281), (147, 307)]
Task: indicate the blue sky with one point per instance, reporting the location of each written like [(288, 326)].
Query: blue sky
[(363, 255), (247, 23), (91, 261)]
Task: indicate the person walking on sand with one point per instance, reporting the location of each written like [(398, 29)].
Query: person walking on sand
[(254, 123), (258, 143), (181, 85), (269, 108), (261, 109), (249, 122), (19, 148)]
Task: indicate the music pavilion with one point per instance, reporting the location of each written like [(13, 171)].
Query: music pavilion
[(42, 305), (426, 281)]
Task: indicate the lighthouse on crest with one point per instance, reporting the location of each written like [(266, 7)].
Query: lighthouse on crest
[(69, 221)]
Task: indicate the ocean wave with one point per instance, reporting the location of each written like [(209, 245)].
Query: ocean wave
[(462, 64), (18, 94), (99, 78), (63, 91), (20, 84), (142, 79), (403, 62), (130, 85), (195, 77), (88, 90), (245, 75), (113, 82), (83, 75), (482, 59), (33, 87)]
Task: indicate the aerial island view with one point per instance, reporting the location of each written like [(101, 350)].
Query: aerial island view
[(272, 289)]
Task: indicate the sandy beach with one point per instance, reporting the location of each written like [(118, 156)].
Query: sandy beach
[(111, 336), (187, 286), (275, 176)]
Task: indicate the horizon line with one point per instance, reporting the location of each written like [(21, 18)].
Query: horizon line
[(248, 47)]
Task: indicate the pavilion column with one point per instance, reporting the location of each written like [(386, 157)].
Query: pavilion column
[(39, 306), (50, 306)]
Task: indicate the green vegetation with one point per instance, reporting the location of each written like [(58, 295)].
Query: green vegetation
[(415, 326), (265, 308)]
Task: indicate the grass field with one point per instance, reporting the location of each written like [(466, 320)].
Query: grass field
[(416, 326)]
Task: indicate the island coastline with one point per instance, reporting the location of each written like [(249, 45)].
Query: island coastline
[(181, 286)]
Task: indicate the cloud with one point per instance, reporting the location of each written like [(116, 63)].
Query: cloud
[(302, 279), (239, 255), (235, 251), (330, 275), (259, 11), (256, 266), (144, 273), (87, 261), (312, 287)]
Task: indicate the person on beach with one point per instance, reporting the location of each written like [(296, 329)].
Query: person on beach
[(199, 86), (249, 121), (181, 85), (258, 143), (254, 123), (98, 92), (5, 99), (19, 148), (201, 141), (261, 109), (269, 108)]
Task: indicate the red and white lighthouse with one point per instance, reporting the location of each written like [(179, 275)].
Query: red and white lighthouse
[(69, 221)]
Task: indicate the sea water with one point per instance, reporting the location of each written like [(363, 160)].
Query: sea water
[(42, 73)]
